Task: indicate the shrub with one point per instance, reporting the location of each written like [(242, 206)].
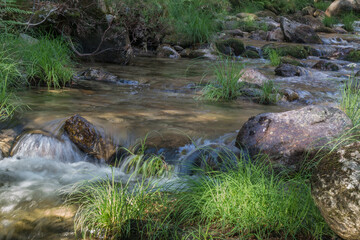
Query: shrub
[(348, 21), (225, 85)]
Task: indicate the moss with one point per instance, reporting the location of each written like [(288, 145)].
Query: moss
[(231, 46), (250, 54), (353, 56), (292, 61), (300, 52)]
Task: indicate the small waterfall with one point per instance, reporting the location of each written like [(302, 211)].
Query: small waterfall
[(32, 145)]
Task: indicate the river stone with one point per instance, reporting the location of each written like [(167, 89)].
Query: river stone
[(231, 46), (88, 139), (253, 76), (100, 75), (336, 190), (275, 35), (298, 33), (287, 136), (7, 140), (340, 7), (288, 70), (326, 66), (166, 51)]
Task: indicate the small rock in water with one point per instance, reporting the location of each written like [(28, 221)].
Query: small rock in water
[(336, 190), (298, 33), (99, 74), (290, 95), (166, 51), (287, 70), (326, 66), (253, 76)]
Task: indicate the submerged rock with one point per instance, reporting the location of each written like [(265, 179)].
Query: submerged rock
[(336, 190), (326, 66), (286, 137), (89, 140), (99, 74), (250, 54), (298, 33)]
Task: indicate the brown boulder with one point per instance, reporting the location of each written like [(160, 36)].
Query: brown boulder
[(340, 7), (88, 139), (287, 136)]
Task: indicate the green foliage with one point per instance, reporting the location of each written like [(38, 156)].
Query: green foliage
[(147, 165), (269, 93), (348, 21), (300, 52), (225, 85), (274, 57), (249, 25), (114, 210), (350, 101), (322, 5), (251, 201), (48, 62), (195, 20), (281, 6), (353, 56), (329, 21)]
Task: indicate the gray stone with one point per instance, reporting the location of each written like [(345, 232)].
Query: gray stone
[(287, 136), (253, 76), (336, 190), (298, 33)]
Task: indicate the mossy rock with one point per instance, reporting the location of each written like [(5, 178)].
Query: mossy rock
[(353, 56), (300, 52), (292, 61), (231, 46), (250, 54)]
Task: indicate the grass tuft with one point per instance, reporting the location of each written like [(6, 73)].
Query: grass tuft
[(225, 85), (350, 101)]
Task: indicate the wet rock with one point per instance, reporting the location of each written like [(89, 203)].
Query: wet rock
[(231, 46), (166, 51), (99, 74), (7, 140), (89, 140), (287, 136), (298, 33), (258, 35), (326, 66), (275, 35), (213, 157), (340, 30), (253, 76), (234, 33), (250, 54), (290, 95), (287, 70), (269, 23), (324, 29), (353, 56), (336, 190), (340, 7), (309, 20)]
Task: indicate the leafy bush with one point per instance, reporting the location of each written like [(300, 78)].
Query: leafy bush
[(225, 85)]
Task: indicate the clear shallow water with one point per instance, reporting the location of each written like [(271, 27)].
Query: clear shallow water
[(31, 182)]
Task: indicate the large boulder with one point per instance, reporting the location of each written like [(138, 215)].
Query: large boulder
[(287, 136), (336, 190), (340, 7), (89, 140), (298, 33)]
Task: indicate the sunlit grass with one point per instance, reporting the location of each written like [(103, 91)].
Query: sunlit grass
[(350, 101)]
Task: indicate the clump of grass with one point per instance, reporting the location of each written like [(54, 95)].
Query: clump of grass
[(251, 201), (350, 101), (225, 85), (329, 21), (113, 210), (269, 93), (322, 5), (274, 57), (147, 165), (348, 21), (48, 62)]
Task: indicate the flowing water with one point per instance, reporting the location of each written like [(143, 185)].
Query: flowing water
[(45, 162)]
